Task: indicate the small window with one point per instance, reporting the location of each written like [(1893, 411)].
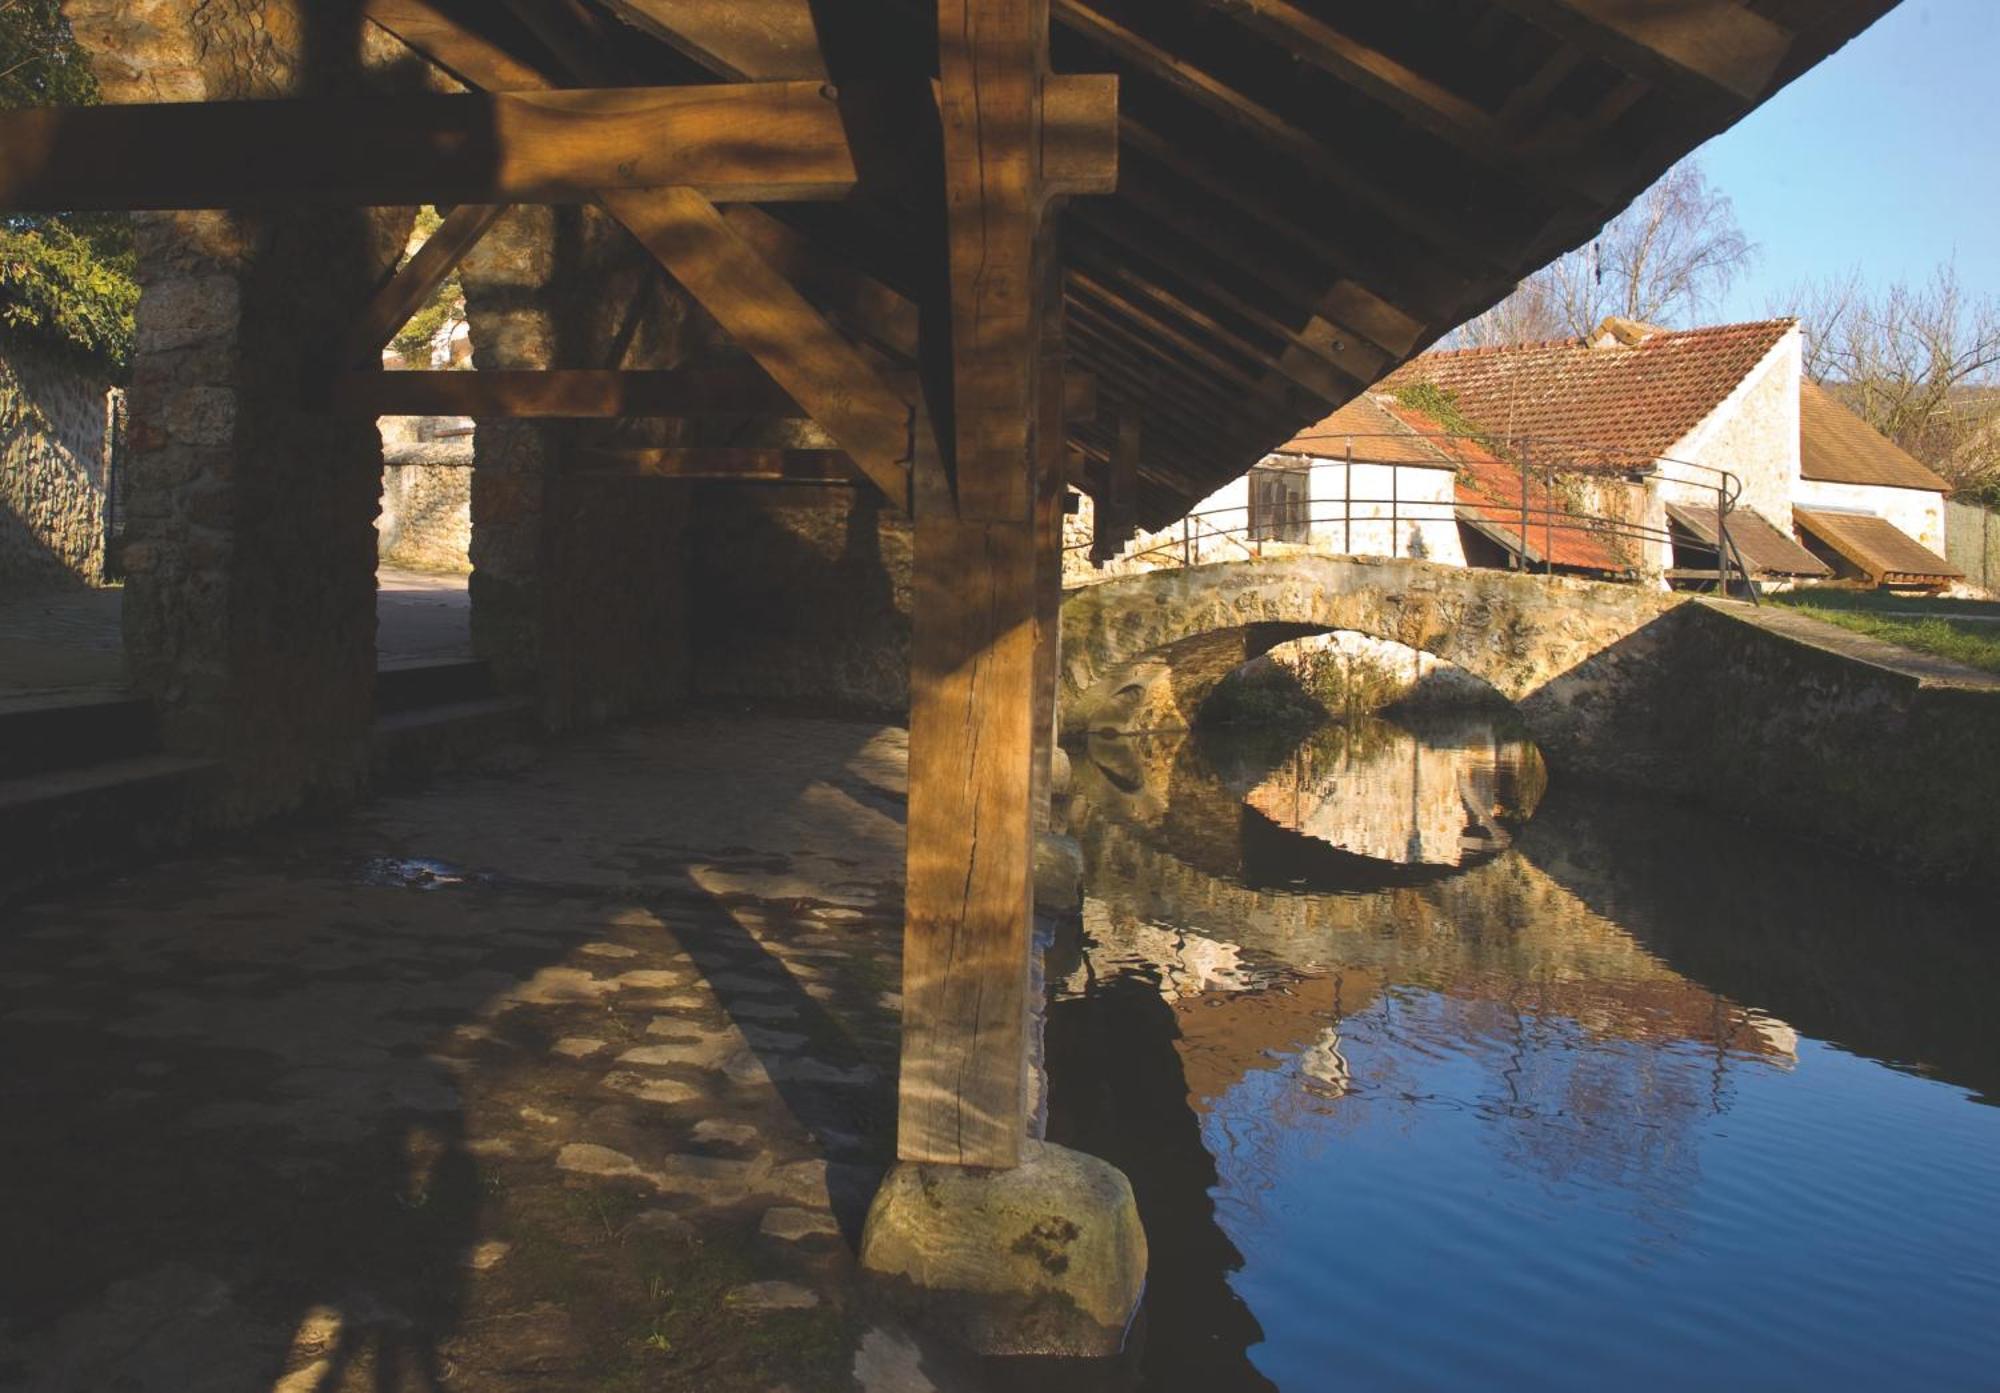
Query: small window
[(1279, 505)]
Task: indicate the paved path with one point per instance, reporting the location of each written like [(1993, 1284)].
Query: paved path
[(68, 644), (571, 1077)]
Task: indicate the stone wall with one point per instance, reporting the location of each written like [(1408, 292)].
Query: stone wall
[(426, 518), (1780, 722), (805, 597), (250, 545), (54, 469), (579, 586)]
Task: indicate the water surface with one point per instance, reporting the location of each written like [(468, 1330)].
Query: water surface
[(1430, 1076)]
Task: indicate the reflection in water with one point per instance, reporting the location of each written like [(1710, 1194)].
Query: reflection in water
[(1424, 1080)]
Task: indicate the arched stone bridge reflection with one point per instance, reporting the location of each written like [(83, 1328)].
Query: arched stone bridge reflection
[(1142, 652)]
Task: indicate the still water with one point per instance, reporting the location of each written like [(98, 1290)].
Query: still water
[(1431, 1076)]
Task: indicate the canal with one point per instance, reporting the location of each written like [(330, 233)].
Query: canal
[(1430, 1074)]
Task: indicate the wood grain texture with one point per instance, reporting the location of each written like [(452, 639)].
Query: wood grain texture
[(768, 319), (752, 143), (560, 394), (1718, 43), (857, 300), (990, 61), (721, 464), (968, 896)]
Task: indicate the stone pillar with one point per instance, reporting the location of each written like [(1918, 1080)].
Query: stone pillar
[(250, 606), (579, 586)]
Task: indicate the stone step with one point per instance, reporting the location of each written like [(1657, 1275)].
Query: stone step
[(415, 686), (65, 824), (410, 746), (37, 736)]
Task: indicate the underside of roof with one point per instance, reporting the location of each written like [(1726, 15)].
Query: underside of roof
[(1309, 191)]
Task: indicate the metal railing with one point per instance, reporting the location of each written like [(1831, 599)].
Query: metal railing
[(1242, 528)]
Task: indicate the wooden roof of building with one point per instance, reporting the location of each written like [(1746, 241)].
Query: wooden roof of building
[(1765, 549), (1837, 446), (1309, 192), (1876, 547)]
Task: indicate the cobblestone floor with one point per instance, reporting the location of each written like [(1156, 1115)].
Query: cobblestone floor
[(575, 1075)]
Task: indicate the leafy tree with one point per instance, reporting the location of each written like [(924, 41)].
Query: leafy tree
[(445, 306), (66, 279), (1665, 260)]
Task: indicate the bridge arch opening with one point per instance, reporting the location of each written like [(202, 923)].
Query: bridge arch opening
[(1343, 673)]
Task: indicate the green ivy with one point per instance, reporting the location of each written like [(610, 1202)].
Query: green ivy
[(1441, 406), (59, 287), (66, 279)]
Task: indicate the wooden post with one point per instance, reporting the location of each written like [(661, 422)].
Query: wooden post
[(968, 900)]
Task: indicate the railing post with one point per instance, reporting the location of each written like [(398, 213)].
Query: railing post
[(1347, 503), (1187, 541), (1395, 522), (1521, 554), (1549, 522), (1721, 540)]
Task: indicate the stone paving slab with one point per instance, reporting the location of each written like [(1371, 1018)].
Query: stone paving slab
[(521, 1082)]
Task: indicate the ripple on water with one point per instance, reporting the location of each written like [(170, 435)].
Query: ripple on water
[(1574, 1120)]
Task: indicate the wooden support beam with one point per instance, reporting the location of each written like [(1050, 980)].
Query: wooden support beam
[(828, 468), (1324, 158), (858, 301), (1115, 511), (1419, 99), (417, 281), (742, 40), (774, 324), (1721, 46), (1079, 133), (751, 143), (969, 895), (473, 59), (573, 394), (724, 266)]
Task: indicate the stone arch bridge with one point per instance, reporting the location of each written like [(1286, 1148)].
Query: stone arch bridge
[(1142, 652)]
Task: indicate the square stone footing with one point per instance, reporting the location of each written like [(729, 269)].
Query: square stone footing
[(1046, 1259)]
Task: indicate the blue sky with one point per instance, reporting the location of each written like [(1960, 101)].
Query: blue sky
[(1886, 157)]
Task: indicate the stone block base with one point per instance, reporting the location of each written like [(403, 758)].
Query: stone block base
[(1046, 1259)]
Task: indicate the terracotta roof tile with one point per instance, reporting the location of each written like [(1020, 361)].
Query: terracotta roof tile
[(1488, 492), (1628, 403), (1839, 447), (1379, 436)]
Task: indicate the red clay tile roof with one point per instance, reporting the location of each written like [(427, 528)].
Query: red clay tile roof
[(1838, 446), (1378, 434), (1630, 403), (1488, 493)]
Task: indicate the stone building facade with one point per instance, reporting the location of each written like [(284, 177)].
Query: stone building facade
[(56, 418)]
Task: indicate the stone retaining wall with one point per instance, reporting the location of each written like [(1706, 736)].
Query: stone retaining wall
[(1788, 724), (54, 469), (805, 598), (426, 518)]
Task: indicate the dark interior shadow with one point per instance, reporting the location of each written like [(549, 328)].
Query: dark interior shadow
[(1118, 1091)]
